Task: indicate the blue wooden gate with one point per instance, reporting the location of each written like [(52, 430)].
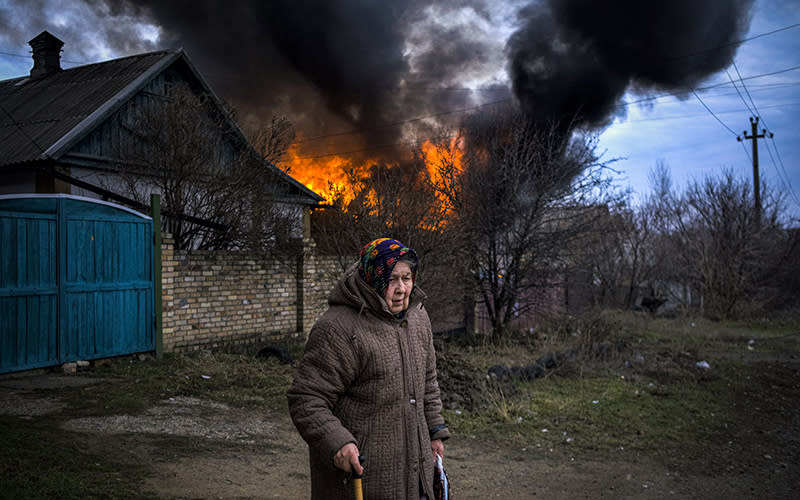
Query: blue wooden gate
[(76, 281)]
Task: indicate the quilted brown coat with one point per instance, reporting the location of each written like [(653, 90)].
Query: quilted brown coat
[(369, 378)]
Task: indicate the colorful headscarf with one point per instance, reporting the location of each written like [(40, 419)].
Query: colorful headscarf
[(378, 258)]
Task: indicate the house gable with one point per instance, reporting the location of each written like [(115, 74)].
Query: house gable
[(42, 115), (71, 118), (102, 144)]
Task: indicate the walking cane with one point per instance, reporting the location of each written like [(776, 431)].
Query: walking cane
[(357, 480)]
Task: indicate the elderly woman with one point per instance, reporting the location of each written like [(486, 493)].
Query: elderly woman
[(367, 383)]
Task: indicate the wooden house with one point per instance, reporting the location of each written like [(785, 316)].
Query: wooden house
[(79, 260), (60, 129)]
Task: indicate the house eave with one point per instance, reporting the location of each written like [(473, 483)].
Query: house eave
[(68, 140)]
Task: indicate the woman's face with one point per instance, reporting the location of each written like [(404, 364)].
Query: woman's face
[(399, 290)]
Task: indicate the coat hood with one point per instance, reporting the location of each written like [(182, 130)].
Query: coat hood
[(354, 292)]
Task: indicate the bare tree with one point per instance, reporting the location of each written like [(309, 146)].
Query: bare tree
[(712, 242), (392, 201), (273, 140), (615, 259), (623, 257), (521, 201), (217, 191)]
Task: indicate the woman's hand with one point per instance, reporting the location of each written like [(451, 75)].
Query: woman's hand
[(438, 447), (347, 459)]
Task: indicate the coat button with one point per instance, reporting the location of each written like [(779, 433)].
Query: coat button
[(415, 467), (413, 401), (404, 323)]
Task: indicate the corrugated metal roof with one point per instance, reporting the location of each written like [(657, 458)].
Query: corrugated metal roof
[(35, 113)]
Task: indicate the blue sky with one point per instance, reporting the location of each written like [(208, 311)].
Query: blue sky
[(695, 139), (686, 136)]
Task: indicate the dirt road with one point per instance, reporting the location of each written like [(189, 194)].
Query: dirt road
[(198, 449)]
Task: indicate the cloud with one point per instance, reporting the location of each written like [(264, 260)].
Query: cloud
[(345, 65), (574, 59)]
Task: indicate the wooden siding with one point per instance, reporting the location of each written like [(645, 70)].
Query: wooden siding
[(75, 282), (28, 290)]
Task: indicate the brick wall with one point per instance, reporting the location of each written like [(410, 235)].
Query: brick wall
[(232, 301)]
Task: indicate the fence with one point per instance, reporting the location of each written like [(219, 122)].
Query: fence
[(233, 301), (223, 300)]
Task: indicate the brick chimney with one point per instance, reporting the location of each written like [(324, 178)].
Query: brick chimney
[(46, 55)]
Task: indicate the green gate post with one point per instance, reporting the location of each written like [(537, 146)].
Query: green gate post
[(155, 205)]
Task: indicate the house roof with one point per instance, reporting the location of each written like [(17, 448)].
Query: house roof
[(42, 118), (39, 114)]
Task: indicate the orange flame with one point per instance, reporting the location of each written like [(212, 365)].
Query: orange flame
[(327, 174), (438, 158), (323, 175)]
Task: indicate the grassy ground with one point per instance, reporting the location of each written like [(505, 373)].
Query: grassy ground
[(650, 396), (645, 396)]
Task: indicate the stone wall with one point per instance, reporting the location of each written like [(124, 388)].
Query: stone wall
[(223, 300)]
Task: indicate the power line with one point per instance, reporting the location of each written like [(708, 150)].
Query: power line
[(473, 108), (746, 152), (694, 91), (712, 113), (755, 136), (737, 42), (782, 174), (774, 86), (780, 169), (754, 88), (707, 87), (402, 122), (668, 59), (364, 150), (29, 56), (775, 165), (747, 92), (14, 55), (464, 110), (490, 89), (697, 115), (22, 130), (740, 94), (753, 113), (785, 174)]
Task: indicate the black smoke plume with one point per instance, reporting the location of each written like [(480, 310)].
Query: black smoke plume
[(331, 66), (574, 59), (389, 69)]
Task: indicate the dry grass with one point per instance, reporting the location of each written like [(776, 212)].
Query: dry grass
[(643, 390), (645, 394)]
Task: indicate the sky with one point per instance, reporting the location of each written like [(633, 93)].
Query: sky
[(696, 142), (673, 82)]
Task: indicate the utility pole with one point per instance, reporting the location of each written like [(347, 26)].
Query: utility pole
[(755, 136)]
